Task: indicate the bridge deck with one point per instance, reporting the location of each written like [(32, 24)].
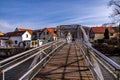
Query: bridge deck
[(67, 64)]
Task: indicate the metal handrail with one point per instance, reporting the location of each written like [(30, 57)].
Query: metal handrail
[(16, 60), (23, 53), (111, 62), (89, 52), (99, 61), (27, 73)]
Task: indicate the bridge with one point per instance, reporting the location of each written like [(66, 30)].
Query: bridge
[(59, 60)]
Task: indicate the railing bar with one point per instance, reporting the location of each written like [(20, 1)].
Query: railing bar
[(13, 61), (88, 61), (20, 62), (107, 68), (4, 70), (19, 58), (37, 64), (45, 63), (108, 60), (7, 59), (111, 62)]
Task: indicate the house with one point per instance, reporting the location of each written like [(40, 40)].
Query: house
[(18, 37), (36, 34), (2, 40), (36, 41), (117, 32), (48, 34), (98, 32)]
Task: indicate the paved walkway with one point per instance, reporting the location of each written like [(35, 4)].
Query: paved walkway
[(67, 64)]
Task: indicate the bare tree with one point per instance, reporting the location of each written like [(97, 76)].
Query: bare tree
[(115, 4)]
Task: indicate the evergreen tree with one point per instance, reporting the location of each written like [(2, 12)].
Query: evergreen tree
[(106, 34)]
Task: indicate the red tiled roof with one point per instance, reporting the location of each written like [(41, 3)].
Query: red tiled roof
[(51, 30), (102, 29), (54, 34), (23, 29)]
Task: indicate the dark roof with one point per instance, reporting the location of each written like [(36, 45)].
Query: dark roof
[(38, 30), (18, 33)]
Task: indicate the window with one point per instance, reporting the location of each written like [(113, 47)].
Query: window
[(16, 42), (44, 38), (44, 33), (26, 35), (47, 33), (55, 32)]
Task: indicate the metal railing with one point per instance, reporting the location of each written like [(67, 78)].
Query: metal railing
[(30, 62), (102, 67)]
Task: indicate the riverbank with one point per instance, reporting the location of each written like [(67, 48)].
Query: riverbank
[(7, 52)]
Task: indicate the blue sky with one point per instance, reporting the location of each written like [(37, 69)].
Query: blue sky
[(36, 14)]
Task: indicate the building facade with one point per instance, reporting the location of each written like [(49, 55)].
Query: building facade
[(18, 37)]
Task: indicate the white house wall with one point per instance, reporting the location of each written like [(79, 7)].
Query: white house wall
[(15, 38), (2, 43), (99, 36), (26, 36)]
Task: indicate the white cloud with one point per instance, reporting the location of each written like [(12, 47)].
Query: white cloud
[(94, 16), (6, 26), (71, 13)]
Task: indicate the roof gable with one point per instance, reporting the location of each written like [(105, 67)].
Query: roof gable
[(23, 29), (51, 30)]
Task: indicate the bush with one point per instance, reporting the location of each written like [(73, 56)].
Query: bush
[(112, 41), (9, 42), (107, 49)]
